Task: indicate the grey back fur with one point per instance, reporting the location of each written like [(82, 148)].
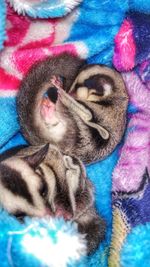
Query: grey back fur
[(87, 127), (41, 181)]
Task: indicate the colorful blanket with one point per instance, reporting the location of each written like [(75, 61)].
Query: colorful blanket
[(131, 177), (88, 30)]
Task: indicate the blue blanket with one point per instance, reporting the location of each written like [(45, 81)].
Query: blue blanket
[(94, 25)]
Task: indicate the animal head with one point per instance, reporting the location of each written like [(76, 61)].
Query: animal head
[(40, 181), (21, 188), (85, 116)]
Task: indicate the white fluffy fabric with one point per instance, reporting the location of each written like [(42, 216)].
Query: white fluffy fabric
[(43, 6), (66, 246)]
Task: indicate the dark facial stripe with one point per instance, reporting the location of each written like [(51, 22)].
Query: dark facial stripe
[(97, 82), (55, 175), (13, 181), (105, 103), (97, 139), (44, 186), (11, 152), (62, 197), (77, 85)]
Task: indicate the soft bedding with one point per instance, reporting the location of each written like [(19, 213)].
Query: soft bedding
[(90, 29)]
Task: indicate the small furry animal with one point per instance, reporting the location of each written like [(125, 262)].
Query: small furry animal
[(85, 116), (40, 181)]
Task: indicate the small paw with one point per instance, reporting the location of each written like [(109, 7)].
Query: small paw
[(57, 82)]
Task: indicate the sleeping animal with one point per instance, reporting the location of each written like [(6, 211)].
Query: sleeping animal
[(42, 181), (85, 115)]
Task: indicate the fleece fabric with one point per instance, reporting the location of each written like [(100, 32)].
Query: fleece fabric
[(86, 28)]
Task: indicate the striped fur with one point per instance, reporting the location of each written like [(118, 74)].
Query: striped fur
[(41, 181), (86, 119)]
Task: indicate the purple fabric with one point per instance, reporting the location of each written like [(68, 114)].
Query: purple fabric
[(131, 176), (135, 154)]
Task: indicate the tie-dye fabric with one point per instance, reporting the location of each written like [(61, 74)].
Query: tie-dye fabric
[(44, 8), (2, 22), (131, 176), (30, 40), (132, 47), (88, 31), (131, 180), (85, 32)]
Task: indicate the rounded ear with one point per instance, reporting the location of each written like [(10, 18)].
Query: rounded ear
[(35, 159)]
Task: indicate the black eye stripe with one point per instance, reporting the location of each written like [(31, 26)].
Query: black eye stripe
[(105, 103), (97, 94), (98, 140), (55, 175), (44, 186), (77, 85), (89, 83), (97, 82), (13, 181), (62, 196)]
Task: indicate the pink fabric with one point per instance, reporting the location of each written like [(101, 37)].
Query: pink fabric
[(28, 41), (135, 154), (125, 49)]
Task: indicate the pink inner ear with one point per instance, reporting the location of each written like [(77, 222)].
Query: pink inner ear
[(47, 109)]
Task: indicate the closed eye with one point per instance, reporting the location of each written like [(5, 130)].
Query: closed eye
[(43, 190), (44, 187)]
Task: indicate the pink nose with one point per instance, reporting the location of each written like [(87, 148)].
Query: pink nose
[(48, 212), (63, 213)]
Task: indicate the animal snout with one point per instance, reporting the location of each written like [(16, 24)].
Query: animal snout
[(52, 93)]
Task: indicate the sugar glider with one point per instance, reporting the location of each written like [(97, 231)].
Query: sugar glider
[(42, 181), (85, 116)]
